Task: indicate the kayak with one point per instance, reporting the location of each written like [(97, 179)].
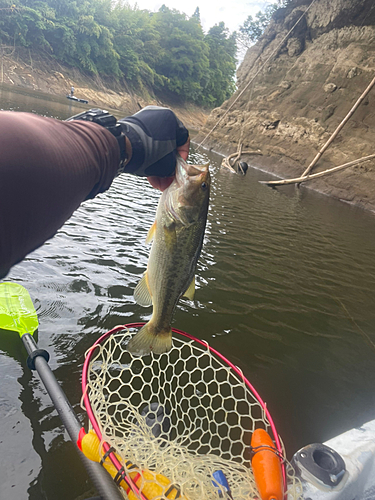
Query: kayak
[(73, 98), (342, 468)]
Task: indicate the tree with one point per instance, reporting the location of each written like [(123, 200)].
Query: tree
[(222, 64), (136, 42), (197, 15), (252, 29), (164, 50), (183, 56)]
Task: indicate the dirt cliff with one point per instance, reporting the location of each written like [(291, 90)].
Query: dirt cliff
[(39, 71), (305, 87)]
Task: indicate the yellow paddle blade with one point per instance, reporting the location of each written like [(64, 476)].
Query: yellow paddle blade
[(17, 311)]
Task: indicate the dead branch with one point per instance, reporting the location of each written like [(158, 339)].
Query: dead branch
[(227, 161), (305, 178), (335, 133)]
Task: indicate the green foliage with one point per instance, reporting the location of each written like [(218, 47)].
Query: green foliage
[(165, 50), (220, 83), (183, 53), (197, 15)]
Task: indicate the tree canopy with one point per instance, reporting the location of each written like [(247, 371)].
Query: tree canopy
[(166, 50), (253, 28)]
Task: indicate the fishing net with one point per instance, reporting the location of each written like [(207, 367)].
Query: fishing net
[(185, 414)]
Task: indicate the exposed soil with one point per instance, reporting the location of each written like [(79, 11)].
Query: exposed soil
[(301, 95), (38, 71)]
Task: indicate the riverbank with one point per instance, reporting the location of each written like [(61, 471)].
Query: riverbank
[(288, 127), (295, 86), (40, 72), (355, 186)]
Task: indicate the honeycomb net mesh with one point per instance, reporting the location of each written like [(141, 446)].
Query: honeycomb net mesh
[(184, 414)]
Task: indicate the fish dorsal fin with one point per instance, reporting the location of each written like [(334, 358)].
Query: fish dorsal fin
[(189, 294), (151, 233), (142, 294)]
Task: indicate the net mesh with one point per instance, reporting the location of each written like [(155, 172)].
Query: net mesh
[(184, 414)]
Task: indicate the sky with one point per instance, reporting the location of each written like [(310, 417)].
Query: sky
[(232, 12)]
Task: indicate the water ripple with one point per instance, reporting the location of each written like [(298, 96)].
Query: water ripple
[(285, 284)]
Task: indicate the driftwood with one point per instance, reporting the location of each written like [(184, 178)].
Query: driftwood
[(319, 174), (236, 156), (344, 121)]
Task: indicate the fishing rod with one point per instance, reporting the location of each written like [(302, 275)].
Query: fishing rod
[(17, 313)]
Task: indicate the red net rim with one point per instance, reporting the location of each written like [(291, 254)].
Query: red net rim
[(95, 424)]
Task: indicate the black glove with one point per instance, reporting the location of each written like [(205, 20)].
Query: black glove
[(154, 133), (103, 118)]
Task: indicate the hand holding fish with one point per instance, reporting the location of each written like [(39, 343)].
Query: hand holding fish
[(162, 183), (155, 137)]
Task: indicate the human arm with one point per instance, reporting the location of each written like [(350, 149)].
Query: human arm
[(48, 167)]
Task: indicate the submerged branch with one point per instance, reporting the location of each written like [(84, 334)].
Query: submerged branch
[(237, 155), (283, 182)]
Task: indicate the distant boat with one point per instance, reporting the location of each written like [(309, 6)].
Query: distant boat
[(73, 98)]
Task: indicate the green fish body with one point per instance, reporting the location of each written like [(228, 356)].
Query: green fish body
[(177, 235)]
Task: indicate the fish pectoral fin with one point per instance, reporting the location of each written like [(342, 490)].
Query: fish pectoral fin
[(142, 294), (151, 233), (189, 294), (170, 237)]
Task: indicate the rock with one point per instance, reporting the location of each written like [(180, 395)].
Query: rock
[(274, 95), (294, 47), (285, 85), (352, 73), (328, 112), (329, 88), (270, 125)]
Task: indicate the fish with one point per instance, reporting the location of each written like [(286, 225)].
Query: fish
[(177, 236)]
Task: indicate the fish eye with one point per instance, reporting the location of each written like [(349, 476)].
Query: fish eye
[(204, 186)]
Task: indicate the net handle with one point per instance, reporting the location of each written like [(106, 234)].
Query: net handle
[(239, 373)]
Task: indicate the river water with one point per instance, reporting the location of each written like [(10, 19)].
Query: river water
[(285, 289)]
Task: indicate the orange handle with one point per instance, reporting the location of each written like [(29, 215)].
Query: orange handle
[(266, 467)]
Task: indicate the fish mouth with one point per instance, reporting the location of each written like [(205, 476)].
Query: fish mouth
[(180, 201), (188, 170), (193, 170)]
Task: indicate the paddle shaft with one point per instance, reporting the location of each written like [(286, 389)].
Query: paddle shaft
[(99, 476)]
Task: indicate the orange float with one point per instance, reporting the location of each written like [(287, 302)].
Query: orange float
[(266, 466)]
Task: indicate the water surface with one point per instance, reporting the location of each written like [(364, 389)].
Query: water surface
[(285, 289)]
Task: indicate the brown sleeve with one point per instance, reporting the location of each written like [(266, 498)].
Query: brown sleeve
[(47, 168)]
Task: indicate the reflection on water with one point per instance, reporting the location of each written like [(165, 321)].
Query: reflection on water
[(285, 289)]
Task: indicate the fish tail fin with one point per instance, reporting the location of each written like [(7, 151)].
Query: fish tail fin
[(145, 342)]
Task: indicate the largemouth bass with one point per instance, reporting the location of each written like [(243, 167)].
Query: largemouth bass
[(177, 235)]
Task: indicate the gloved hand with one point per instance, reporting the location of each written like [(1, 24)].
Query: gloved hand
[(155, 134)]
